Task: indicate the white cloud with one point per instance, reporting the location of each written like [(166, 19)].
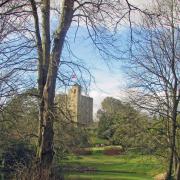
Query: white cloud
[(141, 3), (108, 83)]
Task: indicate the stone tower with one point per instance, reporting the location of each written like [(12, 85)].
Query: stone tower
[(74, 101), (81, 107)]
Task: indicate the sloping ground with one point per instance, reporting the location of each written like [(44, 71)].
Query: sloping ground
[(102, 167), (107, 176)]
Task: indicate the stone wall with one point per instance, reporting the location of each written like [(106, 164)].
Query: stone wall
[(73, 102), (86, 110), (79, 106)]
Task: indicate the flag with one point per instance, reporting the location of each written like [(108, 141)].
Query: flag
[(74, 76)]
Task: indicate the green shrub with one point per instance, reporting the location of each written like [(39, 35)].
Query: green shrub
[(113, 151), (82, 151), (17, 154)]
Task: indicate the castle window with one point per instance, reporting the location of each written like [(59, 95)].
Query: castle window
[(74, 91)]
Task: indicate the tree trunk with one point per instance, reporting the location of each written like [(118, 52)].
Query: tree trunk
[(175, 99), (177, 173), (175, 161), (43, 64), (173, 142), (45, 148)]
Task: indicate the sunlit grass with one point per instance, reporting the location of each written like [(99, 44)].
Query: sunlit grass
[(107, 176), (128, 166)]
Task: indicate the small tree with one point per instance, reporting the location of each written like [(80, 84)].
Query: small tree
[(122, 125)]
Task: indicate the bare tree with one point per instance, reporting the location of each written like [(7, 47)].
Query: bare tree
[(155, 71), (15, 47)]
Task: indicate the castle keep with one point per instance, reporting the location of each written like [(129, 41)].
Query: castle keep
[(77, 107)]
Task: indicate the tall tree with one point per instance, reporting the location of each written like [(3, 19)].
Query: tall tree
[(121, 124), (14, 49), (47, 74), (155, 70)]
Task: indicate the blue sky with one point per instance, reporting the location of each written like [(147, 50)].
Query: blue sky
[(108, 73)]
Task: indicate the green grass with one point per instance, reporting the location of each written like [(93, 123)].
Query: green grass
[(107, 176), (122, 167), (95, 140)]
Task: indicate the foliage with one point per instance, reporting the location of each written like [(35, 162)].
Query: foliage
[(18, 130), (82, 151), (113, 151), (17, 154), (69, 137), (121, 124), (19, 122), (19, 119)]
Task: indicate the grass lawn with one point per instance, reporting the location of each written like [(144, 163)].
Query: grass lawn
[(122, 167)]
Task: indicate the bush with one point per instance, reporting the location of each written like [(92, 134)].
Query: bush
[(113, 151), (17, 154), (82, 151)]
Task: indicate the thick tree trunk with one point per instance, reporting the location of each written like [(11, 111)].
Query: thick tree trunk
[(47, 74), (44, 64), (171, 160), (45, 149), (173, 143), (175, 161), (177, 173), (173, 136)]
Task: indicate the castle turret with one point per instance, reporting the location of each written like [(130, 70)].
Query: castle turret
[(74, 101)]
